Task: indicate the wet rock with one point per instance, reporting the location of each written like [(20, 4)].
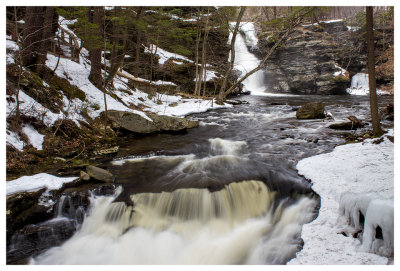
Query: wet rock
[(138, 124), (23, 208), (33, 239), (306, 64), (100, 174), (311, 111), (84, 176), (106, 151), (347, 125)]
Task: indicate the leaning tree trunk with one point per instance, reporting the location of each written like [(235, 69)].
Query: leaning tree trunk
[(222, 95), (376, 127)]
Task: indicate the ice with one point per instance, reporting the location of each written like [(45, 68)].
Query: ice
[(341, 72), (360, 85), (363, 169), (36, 182), (379, 213)]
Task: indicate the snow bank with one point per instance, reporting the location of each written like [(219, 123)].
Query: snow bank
[(164, 55), (36, 182), (35, 138), (78, 74), (14, 140), (364, 169)]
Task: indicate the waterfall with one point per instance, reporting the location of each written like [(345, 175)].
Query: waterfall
[(245, 61), (235, 225)]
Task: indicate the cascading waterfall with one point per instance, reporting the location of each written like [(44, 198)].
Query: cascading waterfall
[(235, 225), (245, 61)]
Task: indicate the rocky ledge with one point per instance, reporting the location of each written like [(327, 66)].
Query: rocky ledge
[(122, 120)]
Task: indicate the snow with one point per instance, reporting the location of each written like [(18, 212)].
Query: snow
[(164, 55), (341, 72), (30, 107), (364, 169), (12, 46), (326, 22), (36, 182), (210, 75), (35, 138), (353, 28), (360, 85), (77, 74), (14, 140)]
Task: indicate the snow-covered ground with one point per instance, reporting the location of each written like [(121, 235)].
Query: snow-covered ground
[(36, 182), (359, 85), (366, 170), (77, 74)]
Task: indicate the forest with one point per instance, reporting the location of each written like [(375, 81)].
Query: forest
[(219, 135)]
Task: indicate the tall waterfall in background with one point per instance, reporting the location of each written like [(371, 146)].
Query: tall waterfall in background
[(245, 61)]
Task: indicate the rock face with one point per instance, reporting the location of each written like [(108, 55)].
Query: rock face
[(138, 124), (307, 63), (100, 174), (311, 111)]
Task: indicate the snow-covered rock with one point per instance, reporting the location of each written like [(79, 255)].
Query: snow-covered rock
[(36, 182)]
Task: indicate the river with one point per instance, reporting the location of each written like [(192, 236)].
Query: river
[(226, 192)]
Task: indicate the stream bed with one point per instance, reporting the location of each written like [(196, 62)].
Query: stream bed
[(226, 192)]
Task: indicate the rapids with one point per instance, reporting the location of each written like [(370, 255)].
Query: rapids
[(226, 192)]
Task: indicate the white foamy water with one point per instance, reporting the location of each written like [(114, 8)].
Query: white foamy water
[(245, 61), (235, 225)]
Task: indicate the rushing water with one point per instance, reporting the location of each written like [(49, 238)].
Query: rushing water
[(226, 192)]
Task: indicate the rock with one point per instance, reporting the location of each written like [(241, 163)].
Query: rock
[(355, 121), (347, 125), (84, 176), (100, 174), (138, 124), (311, 111), (306, 64), (173, 104), (106, 151)]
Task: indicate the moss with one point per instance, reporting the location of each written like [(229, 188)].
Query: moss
[(94, 106), (72, 92)]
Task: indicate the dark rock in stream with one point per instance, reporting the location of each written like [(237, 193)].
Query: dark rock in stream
[(311, 111), (158, 123)]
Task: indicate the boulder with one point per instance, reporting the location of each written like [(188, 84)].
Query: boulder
[(100, 174), (84, 176), (157, 123), (311, 111)]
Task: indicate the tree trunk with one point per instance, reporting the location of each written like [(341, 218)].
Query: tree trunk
[(32, 35), (221, 95), (203, 55), (196, 53), (376, 128), (95, 52), (46, 38), (138, 42)]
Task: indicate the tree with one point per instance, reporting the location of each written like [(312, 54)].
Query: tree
[(95, 44), (233, 40), (376, 128)]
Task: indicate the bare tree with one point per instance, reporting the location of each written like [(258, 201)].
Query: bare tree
[(232, 61), (376, 128)]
